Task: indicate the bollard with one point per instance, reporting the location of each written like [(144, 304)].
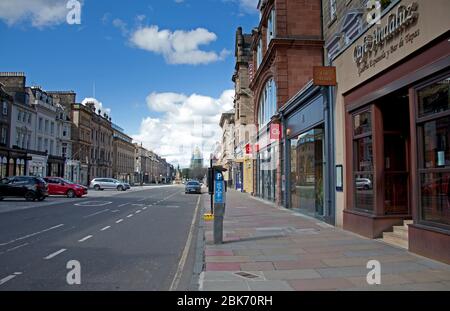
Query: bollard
[(219, 212)]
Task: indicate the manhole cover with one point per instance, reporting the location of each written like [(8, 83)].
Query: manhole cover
[(247, 275)]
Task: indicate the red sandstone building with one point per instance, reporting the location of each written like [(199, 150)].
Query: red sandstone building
[(286, 45)]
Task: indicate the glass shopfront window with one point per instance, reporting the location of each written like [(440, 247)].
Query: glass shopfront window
[(267, 173), (434, 101), (363, 167), (307, 172)]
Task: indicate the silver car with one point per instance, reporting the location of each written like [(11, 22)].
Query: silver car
[(100, 184)]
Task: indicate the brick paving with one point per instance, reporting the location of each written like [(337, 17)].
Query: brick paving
[(271, 249)]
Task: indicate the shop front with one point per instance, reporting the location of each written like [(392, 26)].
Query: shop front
[(393, 102), (12, 162), (268, 164), (56, 166), (308, 154), (38, 164)]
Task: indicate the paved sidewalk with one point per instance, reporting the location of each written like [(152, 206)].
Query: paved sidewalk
[(271, 249)]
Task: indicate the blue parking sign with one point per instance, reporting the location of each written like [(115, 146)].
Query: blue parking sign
[(219, 186)]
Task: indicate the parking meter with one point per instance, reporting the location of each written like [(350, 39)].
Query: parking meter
[(219, 204)]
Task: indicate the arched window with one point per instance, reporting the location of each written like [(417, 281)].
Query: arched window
[(267, 103)]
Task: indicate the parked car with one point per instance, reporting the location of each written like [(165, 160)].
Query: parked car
[(99, 184), (127, 186), (193, 187), (363, 184), (60, 186), (30, 188)]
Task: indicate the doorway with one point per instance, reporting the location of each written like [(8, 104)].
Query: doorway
[(396, 137)]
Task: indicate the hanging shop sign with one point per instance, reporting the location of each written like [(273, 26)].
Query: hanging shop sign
[(324, 76), (387, 38), (275, 131)]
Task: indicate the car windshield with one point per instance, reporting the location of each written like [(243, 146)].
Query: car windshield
[(193, 183)]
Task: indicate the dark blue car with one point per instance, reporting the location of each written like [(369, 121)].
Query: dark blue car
[(193, 187)]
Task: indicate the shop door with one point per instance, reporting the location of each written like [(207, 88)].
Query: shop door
[(396, 155)]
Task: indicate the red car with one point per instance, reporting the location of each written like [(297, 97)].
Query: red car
[(61, 186)]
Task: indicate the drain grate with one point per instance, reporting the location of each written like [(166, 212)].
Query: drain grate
[(247, 275)]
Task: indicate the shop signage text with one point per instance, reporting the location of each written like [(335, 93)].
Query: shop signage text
[(373, 49), (324, 76)]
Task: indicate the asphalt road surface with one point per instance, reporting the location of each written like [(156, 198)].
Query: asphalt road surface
[(134, 240)]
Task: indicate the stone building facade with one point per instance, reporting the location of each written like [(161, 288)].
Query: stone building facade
[(286, 45), (123, 156), (244, 113)]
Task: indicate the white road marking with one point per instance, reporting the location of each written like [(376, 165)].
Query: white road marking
[(129, 216), (17, 247), (115, 211), (106, 228), (119, 221), (177, 277), (122, 205), (138, 211), (85, 238), (31, 235), (8, 278), (55, 254), (95, 214), (94, 203), (144, 208), (138, 205)]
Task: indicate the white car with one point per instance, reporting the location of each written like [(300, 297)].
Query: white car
[(100, 184), (363, 184)]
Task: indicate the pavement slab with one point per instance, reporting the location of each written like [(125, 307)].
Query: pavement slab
[(285, 250)]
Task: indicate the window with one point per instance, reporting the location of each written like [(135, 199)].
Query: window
[(46, 144), (24, 117), (52, 128), (46, 126), (434, 107), (333, 9), (363, 164), (19, 115), (5, 108), (259, 55), (271, 27), (29, 118), (40, 125), (4, 135), (51, 147), (39, 142), (29, 141), (267, 103)]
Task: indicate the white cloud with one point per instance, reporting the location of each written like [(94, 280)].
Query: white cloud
[(178, 47), (186, 122), (40, 13), (98, 105)]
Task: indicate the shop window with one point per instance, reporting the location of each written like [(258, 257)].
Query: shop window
[(434, 98), (434, 131), (363, 167), (307, 172)]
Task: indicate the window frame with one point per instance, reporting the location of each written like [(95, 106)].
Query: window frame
[(421, 169)]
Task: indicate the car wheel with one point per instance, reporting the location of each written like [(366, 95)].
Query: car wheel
[(366, 187), (119, 188), (70, 194), (29, 196), (97, 188), (40, 199), (2, 198)]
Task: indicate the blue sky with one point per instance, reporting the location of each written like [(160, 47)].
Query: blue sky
[(115, 47)]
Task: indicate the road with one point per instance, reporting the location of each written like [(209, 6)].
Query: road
[(123, 241)]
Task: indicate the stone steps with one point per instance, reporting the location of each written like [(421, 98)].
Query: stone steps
[(399, 236)]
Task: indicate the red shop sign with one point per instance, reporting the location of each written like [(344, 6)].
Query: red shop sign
[(275, 131)]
